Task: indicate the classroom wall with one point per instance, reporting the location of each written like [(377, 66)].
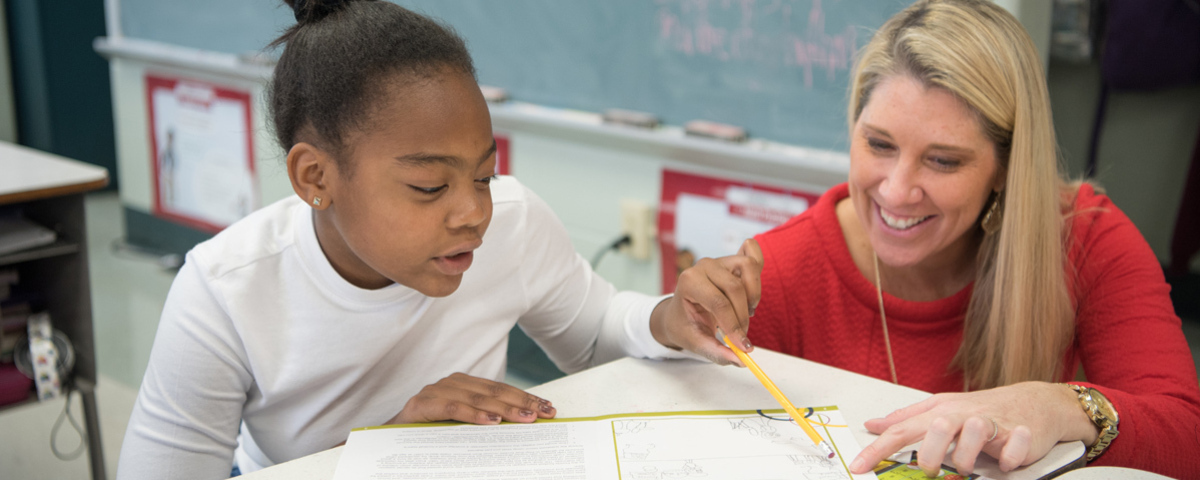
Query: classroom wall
[(1143, 156), (581, 168), (8, 114), (1144, 151)]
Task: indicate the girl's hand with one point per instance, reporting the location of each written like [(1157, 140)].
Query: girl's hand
[(473, 400), (1026, 419), (715, 293)]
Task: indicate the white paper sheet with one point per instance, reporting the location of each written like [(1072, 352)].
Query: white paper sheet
[(711, 445)]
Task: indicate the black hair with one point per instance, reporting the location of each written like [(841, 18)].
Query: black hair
[(339, 57)]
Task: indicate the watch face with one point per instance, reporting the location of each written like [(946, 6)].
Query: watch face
[(1103, 406)]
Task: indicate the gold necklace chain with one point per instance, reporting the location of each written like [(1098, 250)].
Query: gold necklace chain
[(887, 341)]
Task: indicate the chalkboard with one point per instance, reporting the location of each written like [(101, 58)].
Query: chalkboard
[(779, 68)]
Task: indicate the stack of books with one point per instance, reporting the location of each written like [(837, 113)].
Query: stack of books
[(14, 316)]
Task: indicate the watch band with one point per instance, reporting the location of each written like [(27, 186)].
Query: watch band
[(1101, 413)]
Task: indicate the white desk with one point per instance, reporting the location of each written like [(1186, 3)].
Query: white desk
[(48, 189), (27, 174), (632, 385)]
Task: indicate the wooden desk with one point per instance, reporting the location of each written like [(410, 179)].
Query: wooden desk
[(633, 385), (48, 190)]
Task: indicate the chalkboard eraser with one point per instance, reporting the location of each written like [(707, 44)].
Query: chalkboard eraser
[(631, 118), (494, 94), (719, 131)]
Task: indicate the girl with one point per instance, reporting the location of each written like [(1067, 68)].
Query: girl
[(383, 292)]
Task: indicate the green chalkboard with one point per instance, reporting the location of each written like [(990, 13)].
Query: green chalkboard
[(779, 68)]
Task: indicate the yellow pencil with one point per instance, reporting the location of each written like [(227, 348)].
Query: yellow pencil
[(787, 405)]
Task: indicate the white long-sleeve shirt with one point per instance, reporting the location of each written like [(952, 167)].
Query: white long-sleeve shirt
[(260, 332)]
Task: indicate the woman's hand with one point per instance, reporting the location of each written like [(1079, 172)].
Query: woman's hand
[(473, 400), (715, 293), (1017, 424)]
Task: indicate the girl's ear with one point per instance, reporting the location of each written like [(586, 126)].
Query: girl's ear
[(310, 169)]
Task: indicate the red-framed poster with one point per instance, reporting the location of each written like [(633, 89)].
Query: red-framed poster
[(202, 152), (503, 165), (710, 217)]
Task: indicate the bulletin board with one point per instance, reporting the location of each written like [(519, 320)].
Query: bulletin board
[(202, 152), (710, 217)]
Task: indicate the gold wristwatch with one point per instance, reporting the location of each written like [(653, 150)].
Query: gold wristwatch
[(1102, 413)]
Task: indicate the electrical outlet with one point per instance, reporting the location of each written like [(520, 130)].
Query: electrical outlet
[(637, 221)]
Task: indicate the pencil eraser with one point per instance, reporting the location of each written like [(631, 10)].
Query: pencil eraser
[(719, 131), (631, 118), (494, 94)]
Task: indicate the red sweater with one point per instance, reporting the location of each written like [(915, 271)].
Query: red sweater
[(817, 305)]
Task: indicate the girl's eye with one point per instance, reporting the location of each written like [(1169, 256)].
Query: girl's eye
[(486, 180), (428, 190)]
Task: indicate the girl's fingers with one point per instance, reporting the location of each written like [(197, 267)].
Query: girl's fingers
[(470, 399), (975, 434), (751, 271), (717, 294), (702, 337), (514, 404)]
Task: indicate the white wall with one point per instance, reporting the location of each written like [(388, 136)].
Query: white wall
[(1145, 146)]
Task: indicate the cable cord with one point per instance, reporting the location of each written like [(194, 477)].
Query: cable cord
[(615, 245), (66, 414)]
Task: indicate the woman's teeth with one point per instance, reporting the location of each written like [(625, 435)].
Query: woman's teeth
[(900, 224)]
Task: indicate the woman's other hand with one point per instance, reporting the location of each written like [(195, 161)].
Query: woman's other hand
[(715, 293), (470, 399), (1017, 424)]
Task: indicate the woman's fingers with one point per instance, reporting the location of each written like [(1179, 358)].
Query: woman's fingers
[(976, 432), (942, 431), (888, 443), (470, 399), (879, 425), (1016, 449)]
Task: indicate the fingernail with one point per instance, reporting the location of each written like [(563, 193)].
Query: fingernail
[(493, 417), (543, 401), (546, 408), (526, 413), (746, 346), (857, 465), (751, 311)]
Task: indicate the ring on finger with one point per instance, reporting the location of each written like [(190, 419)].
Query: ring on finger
[(995, 430)]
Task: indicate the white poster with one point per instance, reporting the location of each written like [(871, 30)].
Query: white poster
[(203, 160)]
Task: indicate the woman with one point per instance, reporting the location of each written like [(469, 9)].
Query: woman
[(957, 259)]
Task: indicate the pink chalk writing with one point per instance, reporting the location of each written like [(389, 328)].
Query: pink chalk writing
[(757, 32)]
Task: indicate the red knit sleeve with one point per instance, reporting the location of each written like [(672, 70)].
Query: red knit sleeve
[(1131, 345)]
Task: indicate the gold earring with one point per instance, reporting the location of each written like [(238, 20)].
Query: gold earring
[(317, 201), (993, 218)]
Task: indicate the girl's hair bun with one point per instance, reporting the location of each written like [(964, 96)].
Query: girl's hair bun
[(309, 11)]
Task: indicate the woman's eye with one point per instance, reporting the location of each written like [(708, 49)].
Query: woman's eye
[(944, 163), (428, 190), (879, 145)]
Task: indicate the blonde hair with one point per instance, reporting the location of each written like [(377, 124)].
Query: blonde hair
[(1020, 318)]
